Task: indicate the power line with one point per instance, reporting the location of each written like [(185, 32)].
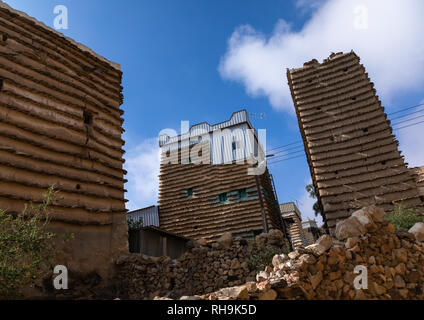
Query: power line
[(287, 154), (411, 125), (301, 156), (295, 148), (282, 160), (407, 108), (299, 149), (407, 120), (408, 114), (396, 112), (286, 145)]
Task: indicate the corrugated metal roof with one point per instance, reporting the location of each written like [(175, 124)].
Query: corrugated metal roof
[(164, 232), (150, 216), (204, 127), (290, 207)]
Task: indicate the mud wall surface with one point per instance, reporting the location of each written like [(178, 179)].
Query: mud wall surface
[(419, 178), (60, 123), (296, 232), (190, 205), (352, 153)]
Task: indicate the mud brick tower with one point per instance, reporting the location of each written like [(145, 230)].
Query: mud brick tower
[(60, 124), (352, 153)]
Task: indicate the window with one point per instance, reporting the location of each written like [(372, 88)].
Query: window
[(223, 197), (189, 192), (242, 194), (234, 145), (88, 118)]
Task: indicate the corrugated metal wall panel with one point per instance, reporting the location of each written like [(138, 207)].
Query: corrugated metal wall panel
[(149, 215), (201, 128)]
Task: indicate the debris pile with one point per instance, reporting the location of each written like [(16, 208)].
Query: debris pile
[(368, 259)]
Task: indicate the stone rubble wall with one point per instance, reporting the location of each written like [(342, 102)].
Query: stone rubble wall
[(325, 270), (204, 268)]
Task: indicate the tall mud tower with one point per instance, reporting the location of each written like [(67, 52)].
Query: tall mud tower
[(352, 153), (61, 124)]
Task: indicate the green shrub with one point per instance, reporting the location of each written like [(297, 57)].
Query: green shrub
[(25, 247), (134, 225), (261, 257), (403, 218)]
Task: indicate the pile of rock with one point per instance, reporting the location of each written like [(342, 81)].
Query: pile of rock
[(391, 265), (204, 268)]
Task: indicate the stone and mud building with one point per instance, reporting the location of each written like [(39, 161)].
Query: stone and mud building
[(208, 184), (61, 125), (311, 231), (350, 146), (293, 219)]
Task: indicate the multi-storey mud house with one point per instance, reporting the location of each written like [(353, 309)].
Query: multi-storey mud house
[(293, 220), (208, 184), (419, 178), (352, 153), (310, 231)]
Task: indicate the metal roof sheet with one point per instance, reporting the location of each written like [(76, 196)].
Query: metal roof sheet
[(203, 127)]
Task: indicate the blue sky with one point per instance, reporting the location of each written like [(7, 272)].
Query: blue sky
[(202, 60)]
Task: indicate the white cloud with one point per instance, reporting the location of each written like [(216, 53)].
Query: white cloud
[(306, 5), (390, 47), (143, 166)]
